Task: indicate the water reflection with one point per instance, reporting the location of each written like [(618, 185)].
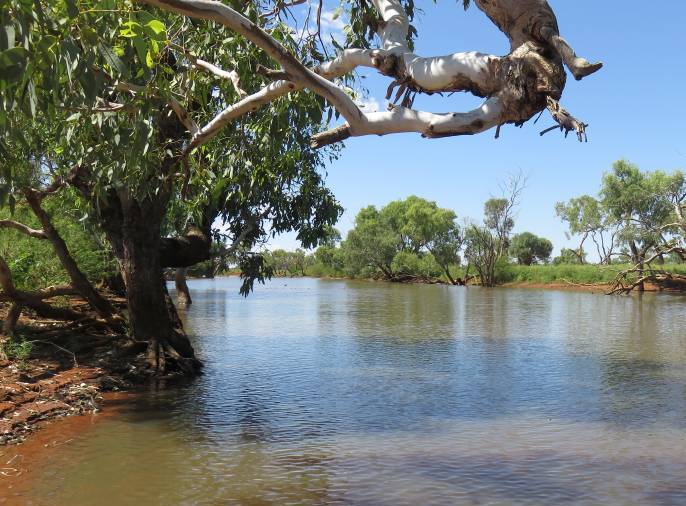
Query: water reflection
[(342, 392)]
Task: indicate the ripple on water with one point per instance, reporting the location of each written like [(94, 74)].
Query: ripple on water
[(363, 393)]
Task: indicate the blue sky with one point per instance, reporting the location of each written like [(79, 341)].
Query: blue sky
[(635, 106)]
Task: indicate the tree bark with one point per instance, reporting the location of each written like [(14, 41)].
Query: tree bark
[(132, 225), (32, 300), (637, 259), (517, 86), (79, 280), (187, 250), (11, 319), (149, 316), (183, 294), (450, 278)]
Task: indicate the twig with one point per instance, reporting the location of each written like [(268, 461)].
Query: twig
[(76, 364)]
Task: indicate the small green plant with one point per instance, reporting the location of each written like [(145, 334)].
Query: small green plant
[(17, 348)]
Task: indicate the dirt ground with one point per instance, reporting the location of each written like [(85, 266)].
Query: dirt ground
[(66, 373)]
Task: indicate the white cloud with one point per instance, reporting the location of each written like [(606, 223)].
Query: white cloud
[(333, 25), (368, 104)]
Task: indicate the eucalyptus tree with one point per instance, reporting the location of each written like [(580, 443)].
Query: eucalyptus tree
[(529, 249), (481, 251), (517, 86), (649, 206), (371, 245), (589, 218), (641, 212), (569, 256), (146, 106), (118, 88), (410, 237), (486, 245)]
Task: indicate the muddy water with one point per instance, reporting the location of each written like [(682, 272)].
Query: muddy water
[(337, 392)]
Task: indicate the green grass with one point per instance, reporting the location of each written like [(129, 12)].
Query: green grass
[(534, 274), (17, 348), (582, 274)]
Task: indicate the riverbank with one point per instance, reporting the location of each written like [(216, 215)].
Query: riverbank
[(57, 370), (574, 277)]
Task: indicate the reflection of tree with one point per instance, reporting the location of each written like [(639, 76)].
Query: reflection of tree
[(402, 313)]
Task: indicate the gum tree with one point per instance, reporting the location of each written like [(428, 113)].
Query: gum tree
[(528, 249), (146, 107), (114, 87), (516, 86)]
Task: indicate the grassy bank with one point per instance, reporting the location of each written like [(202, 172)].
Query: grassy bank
[(582, 274), (533, 274)]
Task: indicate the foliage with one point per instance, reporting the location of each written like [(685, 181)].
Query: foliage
[(371, 245), (641, 212), (571, 273), (482, 251), (570, 256), (91, 83), (16, 348), (331, 258), (588, 217), (33, 262), (289, 263), (411, 237), (529, 249)]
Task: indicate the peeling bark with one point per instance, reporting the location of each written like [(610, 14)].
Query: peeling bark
[(516, 86)]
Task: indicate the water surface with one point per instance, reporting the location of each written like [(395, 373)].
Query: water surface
[(341, 392)]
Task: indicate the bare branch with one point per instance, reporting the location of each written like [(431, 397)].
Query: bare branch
[(517, 86), (38, 234), (183, 116), (431, 125), (213, 69), (274, 75), (222, 13), (281, 6)]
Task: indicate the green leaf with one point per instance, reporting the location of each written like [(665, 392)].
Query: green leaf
[(72, 9), (157, 29), (113, 60), (13, 63), (130, 30), (141, 48)]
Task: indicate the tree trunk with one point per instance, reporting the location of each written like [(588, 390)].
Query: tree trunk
[(637, 258), (183, 294), (11, 319), (132, 225), (149, 316), (78, 278), (450, 278)]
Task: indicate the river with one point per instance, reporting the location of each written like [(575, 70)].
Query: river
[(346, 392)]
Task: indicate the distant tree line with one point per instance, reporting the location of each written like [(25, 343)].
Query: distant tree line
[(636, 223), (415, 239)]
